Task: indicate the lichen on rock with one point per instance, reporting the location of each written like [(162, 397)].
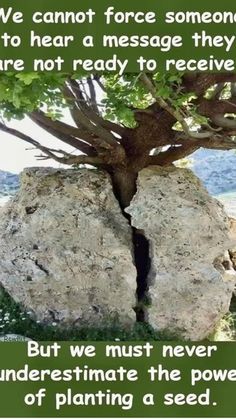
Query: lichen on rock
[(66, 249), (191, 279)]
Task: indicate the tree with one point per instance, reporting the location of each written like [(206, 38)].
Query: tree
[(139, 120)]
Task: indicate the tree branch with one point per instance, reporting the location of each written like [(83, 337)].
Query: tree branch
[(80, 115), (65, 138), (70, 160), (224, 122), (97, 78), (175, 113), (61, 128), (93, 96), (91, 115), (217, 91), (211, 107), (50, 153), (172, 154), (215, 110), (188, 146), (216, 142), (199, 83)]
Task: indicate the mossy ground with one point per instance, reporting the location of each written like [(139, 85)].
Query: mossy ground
[(226, 329), (14, 320), (232, 322)]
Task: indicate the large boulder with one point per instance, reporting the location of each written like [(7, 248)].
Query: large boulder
[(191, 279), (66, 249)]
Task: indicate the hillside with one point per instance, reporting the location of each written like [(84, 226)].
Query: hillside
[(216, 169), (9, 184)]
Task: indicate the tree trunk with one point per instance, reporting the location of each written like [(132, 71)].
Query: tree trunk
[(124, 185)]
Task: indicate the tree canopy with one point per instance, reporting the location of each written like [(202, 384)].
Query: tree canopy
[(123, 123)]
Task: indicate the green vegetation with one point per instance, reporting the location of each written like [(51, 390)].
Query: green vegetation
[(14, 320), (122, 125), (225, 331)]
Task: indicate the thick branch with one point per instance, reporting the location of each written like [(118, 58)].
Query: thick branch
[(65, 129), (224, 122), (188, 146), (211, 107), (65, 138), (216, 142), (172, 111), (217, 91), (172, 154), (66, 159), (106, 139), (215, 110), (59, 126), (98, 120), (93, 96), (199, 83)]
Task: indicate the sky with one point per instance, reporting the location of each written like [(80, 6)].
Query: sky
[(15, 154)]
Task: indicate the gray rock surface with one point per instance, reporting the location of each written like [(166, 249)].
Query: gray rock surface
[(65, 249), (4, 200), (192, 277)]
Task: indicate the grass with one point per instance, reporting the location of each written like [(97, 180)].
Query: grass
[(226, 329), (14, 320), (233, 317)]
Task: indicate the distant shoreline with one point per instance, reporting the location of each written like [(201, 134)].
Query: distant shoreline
[(228, 199)]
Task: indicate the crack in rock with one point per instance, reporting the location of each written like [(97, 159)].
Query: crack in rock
[(187, 230), (41, 267)]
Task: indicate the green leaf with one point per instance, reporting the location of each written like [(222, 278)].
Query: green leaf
[(27, 78)]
